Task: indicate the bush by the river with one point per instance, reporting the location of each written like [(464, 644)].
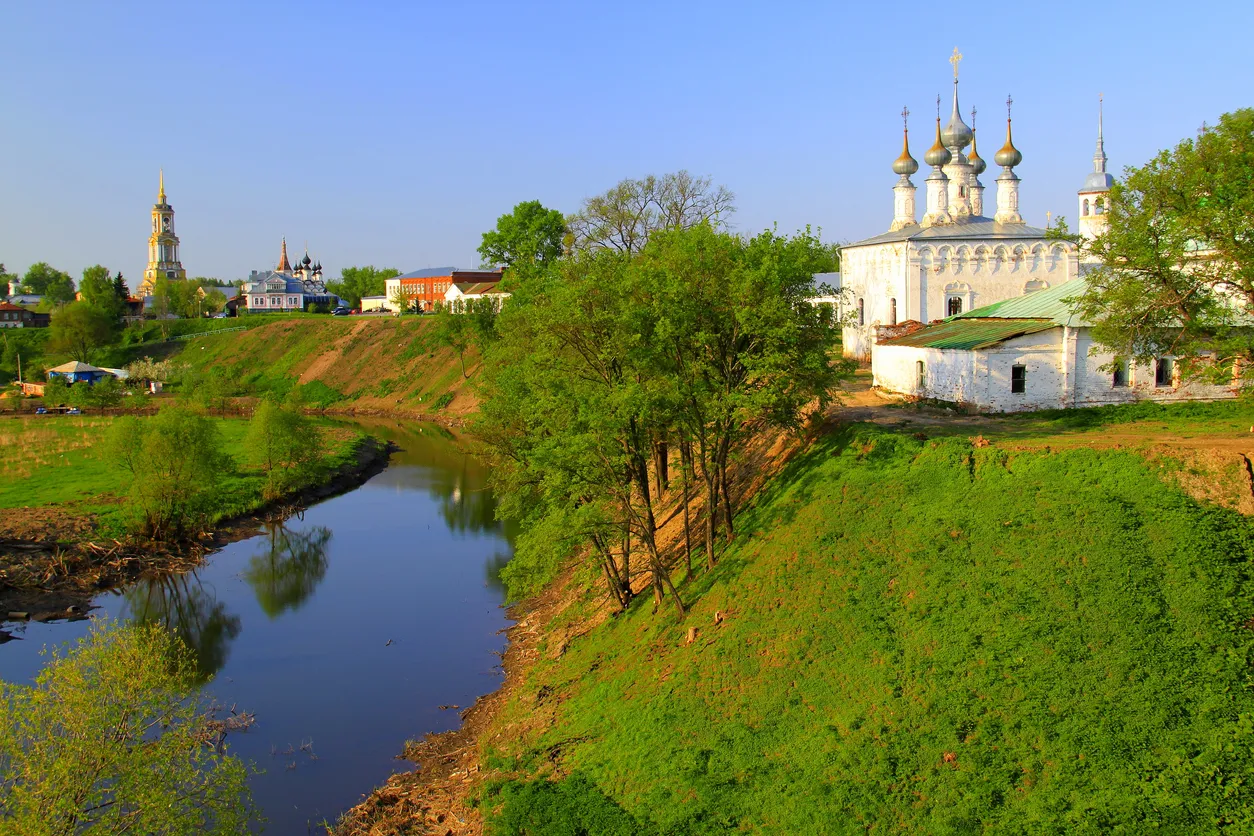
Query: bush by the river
[(114, 737)]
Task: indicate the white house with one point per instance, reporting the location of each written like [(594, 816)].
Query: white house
[(1027, 353), (461, 295)]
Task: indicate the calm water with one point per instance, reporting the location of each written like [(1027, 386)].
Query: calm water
[(294, 625)]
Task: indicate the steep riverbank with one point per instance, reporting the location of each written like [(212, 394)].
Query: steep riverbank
[(55, 557), (917, 628), (371, 366)]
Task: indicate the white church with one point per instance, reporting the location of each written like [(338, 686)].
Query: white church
[(1004, 336)]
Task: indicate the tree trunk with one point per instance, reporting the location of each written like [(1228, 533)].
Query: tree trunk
[(724, 487), (685, 459), (661, 473)]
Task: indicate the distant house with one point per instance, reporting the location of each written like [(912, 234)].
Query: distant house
[(28, 300), (76, 372), (461, 295), (426, 288), (374, 303), (15, 316)]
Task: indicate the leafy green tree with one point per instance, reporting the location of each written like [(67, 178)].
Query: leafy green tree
[(529, 236), (286, 444), (356, 282), (41, 275), (78, 329), (114, 737), (214, 301), (456, 331), (60, 291), (1178, 258), (175, 462), (626, 216), (403, 298), (97, 289)]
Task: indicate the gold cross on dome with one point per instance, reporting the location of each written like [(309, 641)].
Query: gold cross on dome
[(905, 116), (955, 59)]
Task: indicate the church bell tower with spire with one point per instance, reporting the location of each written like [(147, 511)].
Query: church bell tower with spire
[(163, 245), (1094, 196)]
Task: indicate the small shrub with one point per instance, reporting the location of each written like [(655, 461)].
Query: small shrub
[(444, 400)]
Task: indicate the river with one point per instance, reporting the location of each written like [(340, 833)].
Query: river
[(346, 631)]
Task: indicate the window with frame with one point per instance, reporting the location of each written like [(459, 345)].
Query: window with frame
[(1120, 376), (1164, 372), (1018, 379), (892, 311), (953, 306), (920, 374), (861, 312)]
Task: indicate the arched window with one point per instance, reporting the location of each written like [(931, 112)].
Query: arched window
[(1098, 207), (1085, 207), (954, 306), (861, 312), (892, 311), (920, 375)]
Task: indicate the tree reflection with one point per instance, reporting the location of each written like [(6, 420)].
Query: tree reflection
[(192, 611), (290, 569)]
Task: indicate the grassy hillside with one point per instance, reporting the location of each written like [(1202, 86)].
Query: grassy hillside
[(917, 636), (384, 363)]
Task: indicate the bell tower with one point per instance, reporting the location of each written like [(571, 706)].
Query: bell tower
[(163, 245), (1094, 196)]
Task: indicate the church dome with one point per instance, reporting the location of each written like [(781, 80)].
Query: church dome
[(1009, 155), (306, 261), (938, 154), (956, 133), (1098, 181), (905, 165), (977, 162)]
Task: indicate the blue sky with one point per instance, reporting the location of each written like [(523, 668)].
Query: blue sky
[(396, 133)]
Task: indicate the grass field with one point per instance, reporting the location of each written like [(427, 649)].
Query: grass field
[(55, 463), (919, 636)]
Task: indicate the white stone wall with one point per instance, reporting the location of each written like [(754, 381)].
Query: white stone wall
[(922, 277), (1060, 372)]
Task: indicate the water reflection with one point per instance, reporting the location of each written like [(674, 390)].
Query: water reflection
[(288, 568), (191, 609)]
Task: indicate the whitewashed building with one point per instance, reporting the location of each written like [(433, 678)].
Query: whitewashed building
[(956, 257), (1027, 353), (461, 295)]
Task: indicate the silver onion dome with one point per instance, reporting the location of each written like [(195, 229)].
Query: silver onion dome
[(956, 133), (905, 165), (1009, 155), (938, 154)]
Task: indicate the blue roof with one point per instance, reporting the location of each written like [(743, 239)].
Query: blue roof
[(429, 273)]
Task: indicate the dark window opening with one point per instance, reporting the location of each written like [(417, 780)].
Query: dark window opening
[(1164, 372), (1120, 377), (954, 306), (892, 311), (1018, 379), (1085, 211), (920, 372), (861, 312)]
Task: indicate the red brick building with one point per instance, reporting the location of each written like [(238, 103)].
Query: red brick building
[(426, 288)]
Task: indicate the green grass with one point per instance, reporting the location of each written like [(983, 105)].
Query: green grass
[(58, 461), (922, 637)]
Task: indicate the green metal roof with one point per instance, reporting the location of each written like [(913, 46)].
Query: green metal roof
[(957, 332), (1048, 304)]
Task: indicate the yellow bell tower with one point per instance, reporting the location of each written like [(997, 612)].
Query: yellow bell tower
[(163, 245)]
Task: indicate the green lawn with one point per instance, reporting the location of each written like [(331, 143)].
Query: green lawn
[(57, 461), (919, 637)]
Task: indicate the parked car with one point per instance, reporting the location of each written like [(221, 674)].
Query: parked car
[(340, 312)]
